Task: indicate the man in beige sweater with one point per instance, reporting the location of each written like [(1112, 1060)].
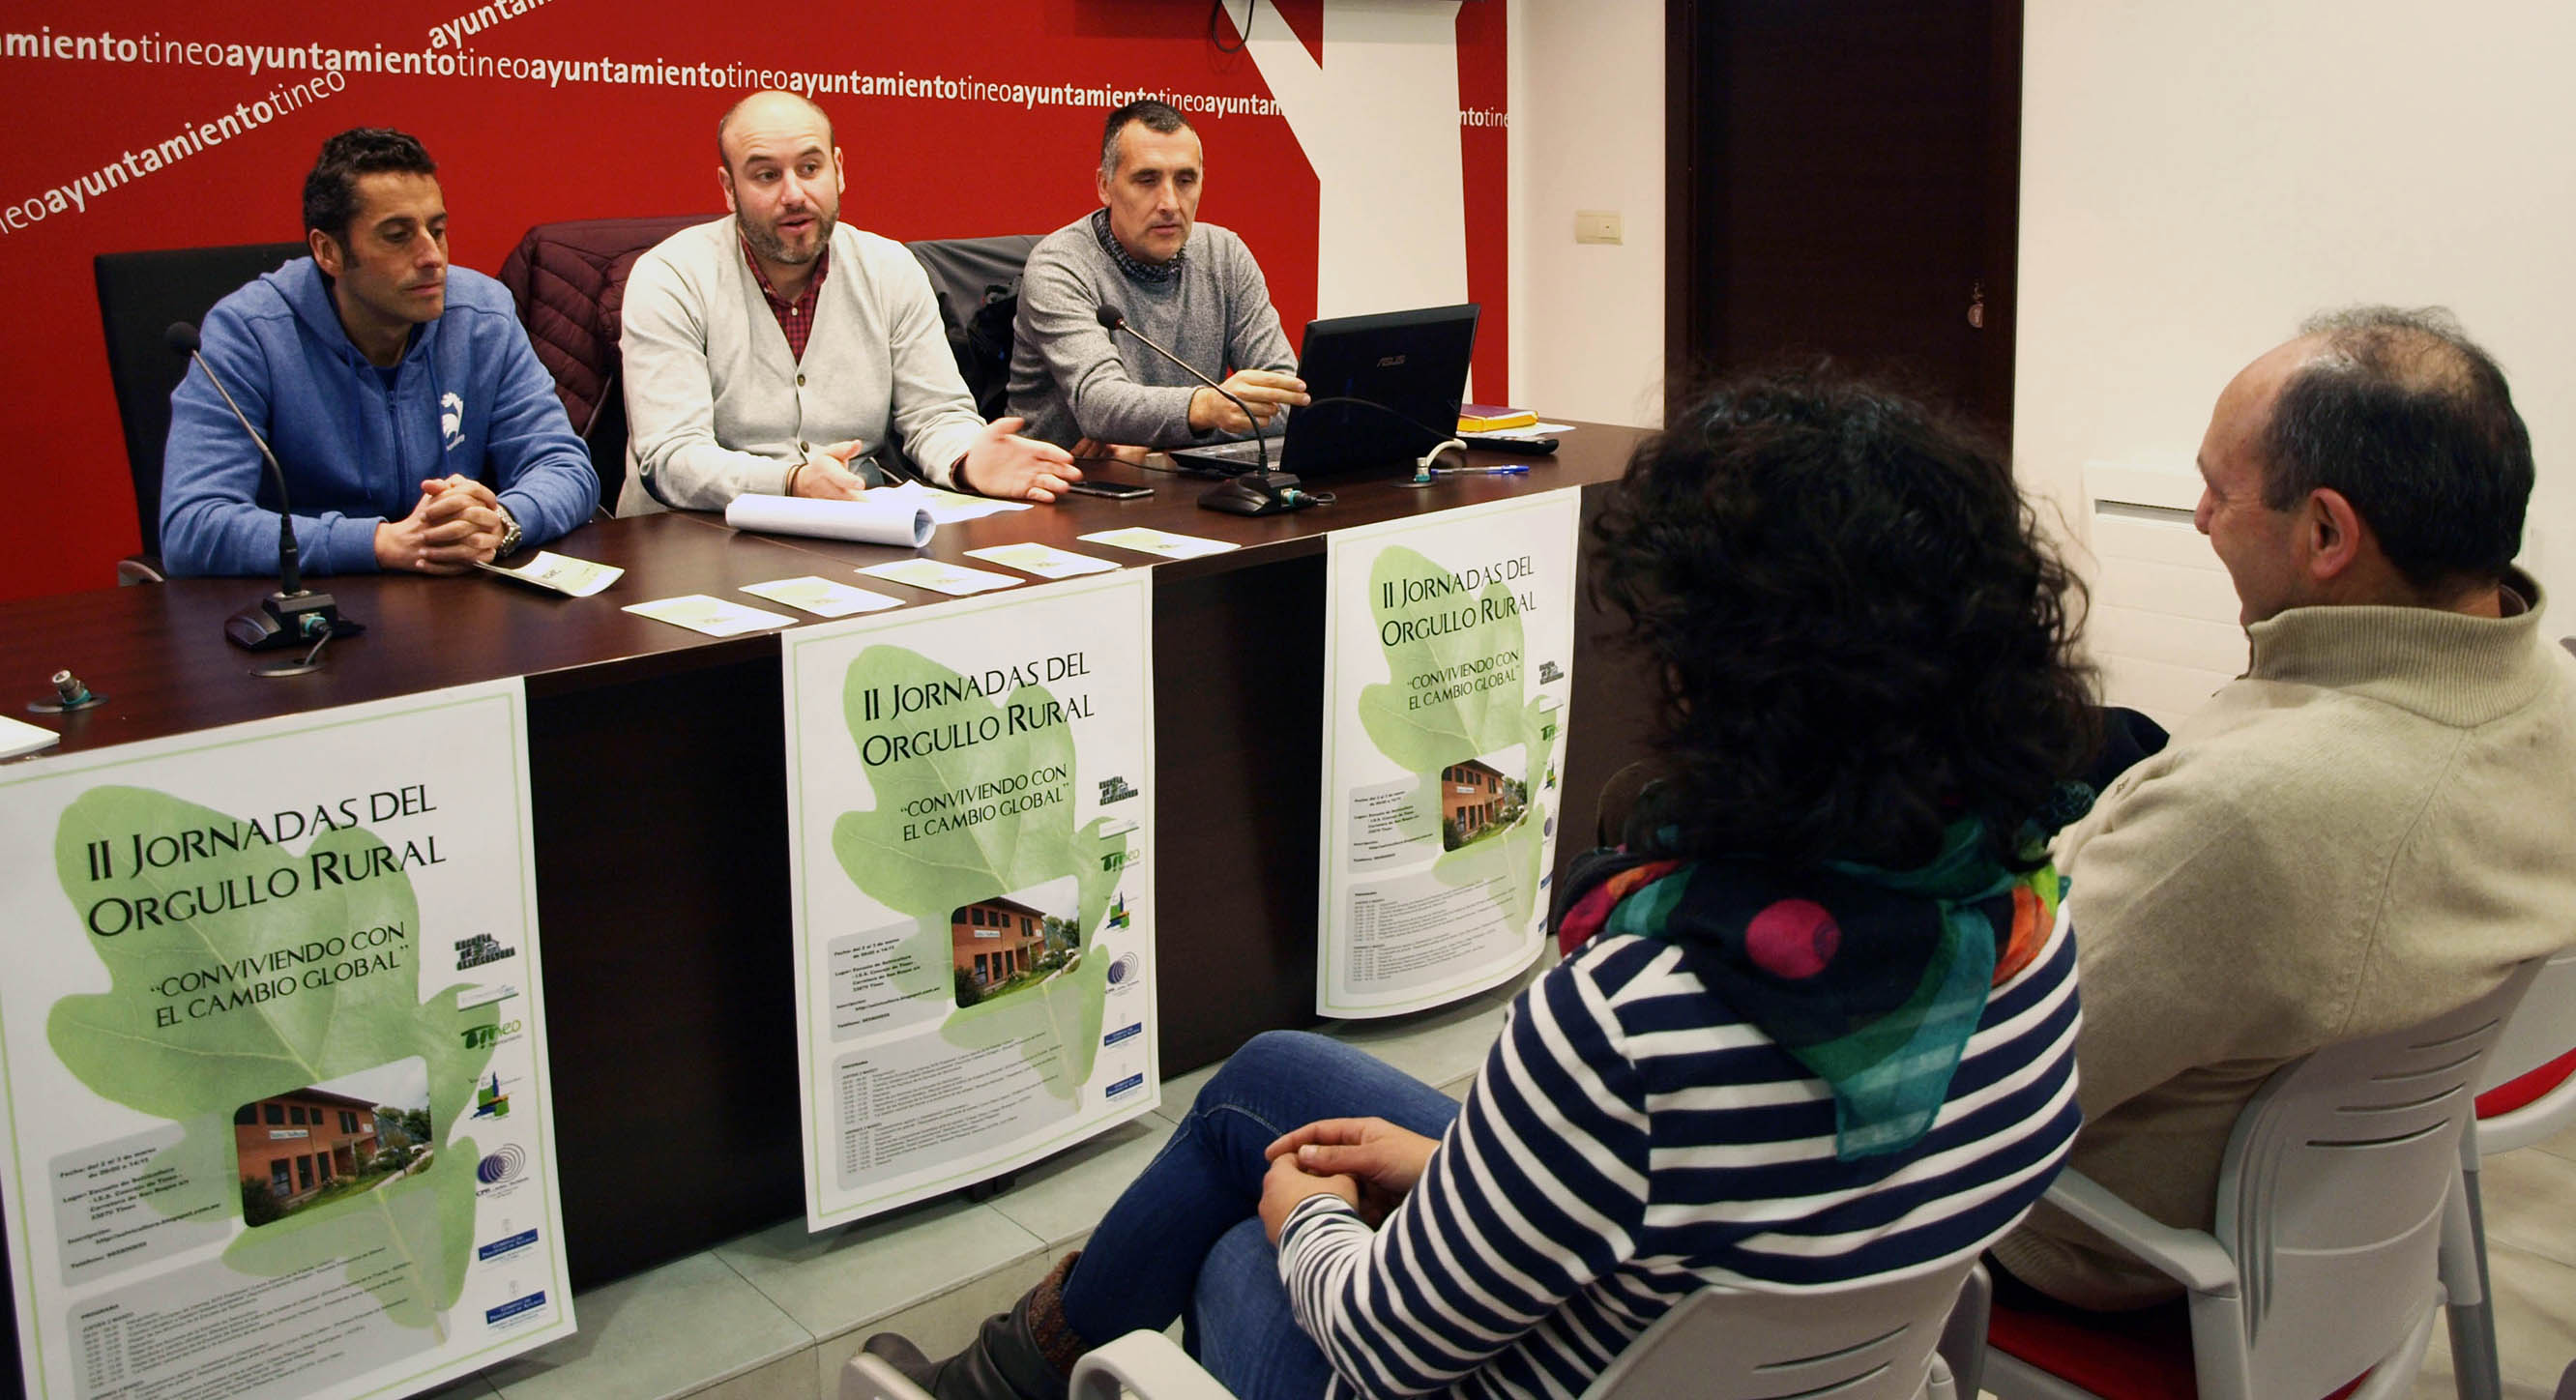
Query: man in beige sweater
[(779, 351), (2367, 829)]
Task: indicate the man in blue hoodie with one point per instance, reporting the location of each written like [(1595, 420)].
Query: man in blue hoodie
[(416, 429)]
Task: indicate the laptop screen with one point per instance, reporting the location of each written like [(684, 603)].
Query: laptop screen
[(1385, 390), (1412, 364)]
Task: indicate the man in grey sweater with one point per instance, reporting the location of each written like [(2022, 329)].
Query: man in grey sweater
[(1193, 287)]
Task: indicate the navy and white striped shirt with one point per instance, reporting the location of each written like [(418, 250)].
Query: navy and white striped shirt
[(1631, 1140)]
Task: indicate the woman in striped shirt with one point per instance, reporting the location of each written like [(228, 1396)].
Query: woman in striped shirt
[(1816, 1020)]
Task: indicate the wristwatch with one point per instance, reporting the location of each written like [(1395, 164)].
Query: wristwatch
[(509, 539)]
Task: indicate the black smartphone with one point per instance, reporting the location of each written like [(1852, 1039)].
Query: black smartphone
[(1111, 490)]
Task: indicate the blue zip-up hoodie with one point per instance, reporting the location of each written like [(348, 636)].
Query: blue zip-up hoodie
[(469, 398)]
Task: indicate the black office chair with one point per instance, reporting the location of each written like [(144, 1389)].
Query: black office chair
[(139, 295), (977, 281), (569, 279)]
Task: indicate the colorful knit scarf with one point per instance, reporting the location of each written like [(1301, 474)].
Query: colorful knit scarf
[(1872, 979)]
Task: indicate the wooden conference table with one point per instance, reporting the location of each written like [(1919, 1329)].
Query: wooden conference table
[(657, 764)]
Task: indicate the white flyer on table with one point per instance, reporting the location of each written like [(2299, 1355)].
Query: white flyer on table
[(1448, 660), (1043, 560), (713, 616), (1144, 539), (820, 596), (955, 580), (274, 1044), (970, 808), (559, 573)]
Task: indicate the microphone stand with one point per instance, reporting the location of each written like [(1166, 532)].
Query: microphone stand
[(293, 614), (1277, 492)]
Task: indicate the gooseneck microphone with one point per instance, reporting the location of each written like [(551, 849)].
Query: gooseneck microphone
[(293, 615), (1260, 493), (1113, 321)]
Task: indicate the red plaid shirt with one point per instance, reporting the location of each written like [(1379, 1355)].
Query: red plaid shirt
[(796, 317)]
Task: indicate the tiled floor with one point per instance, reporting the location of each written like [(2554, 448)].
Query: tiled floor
[(772, 1316)]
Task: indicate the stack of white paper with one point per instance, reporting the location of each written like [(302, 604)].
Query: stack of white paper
[(875, 518)]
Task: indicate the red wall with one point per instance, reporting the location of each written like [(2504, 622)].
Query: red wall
[(515, 152)]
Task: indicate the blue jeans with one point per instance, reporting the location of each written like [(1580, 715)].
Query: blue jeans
[(1185, 1240)]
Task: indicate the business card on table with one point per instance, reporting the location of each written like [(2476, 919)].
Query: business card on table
[(713, 616), (955, 580), (1162, 543), (820, 596), (1043, 560), (560, 573)]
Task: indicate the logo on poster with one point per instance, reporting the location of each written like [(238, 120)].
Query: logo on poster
[(489, 1101), (505, 1246), (484, 994), (480, 949), (484, 1037), (1127, 973), (495, 1317), (1115, 789), (501, 1166)]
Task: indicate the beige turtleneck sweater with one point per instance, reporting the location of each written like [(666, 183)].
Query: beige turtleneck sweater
[(2367, 829)]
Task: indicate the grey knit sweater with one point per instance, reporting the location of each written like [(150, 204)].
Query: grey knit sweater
[(1071, 381)]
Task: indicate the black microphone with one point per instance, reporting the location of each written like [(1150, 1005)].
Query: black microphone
[(1267, 492), (293, 615)]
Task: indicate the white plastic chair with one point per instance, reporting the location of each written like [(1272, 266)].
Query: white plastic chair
[(1876, 1342), (2339, 1185), (2542, 1031)]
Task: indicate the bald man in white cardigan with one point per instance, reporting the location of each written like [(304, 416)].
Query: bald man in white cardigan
[(777, 352)]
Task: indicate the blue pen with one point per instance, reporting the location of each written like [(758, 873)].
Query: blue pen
[(1484, 471)]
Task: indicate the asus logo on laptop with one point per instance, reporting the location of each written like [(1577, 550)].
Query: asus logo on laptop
[(1390, 361)]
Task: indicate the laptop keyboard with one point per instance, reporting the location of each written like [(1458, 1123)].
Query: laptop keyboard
[(1244, 451)]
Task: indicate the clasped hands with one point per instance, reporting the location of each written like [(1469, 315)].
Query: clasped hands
[(999, 463), (455, 525), (1368, 1162)]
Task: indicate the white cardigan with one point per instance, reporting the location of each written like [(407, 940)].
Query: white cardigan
[(716, 407)]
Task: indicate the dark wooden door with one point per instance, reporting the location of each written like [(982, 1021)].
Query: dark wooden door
[(1843, 179)]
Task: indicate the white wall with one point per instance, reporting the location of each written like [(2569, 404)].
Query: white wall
[(2200, 175), (1378, 119), (1587, 105)]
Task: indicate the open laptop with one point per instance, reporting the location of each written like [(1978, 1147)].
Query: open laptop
[(1406, 369)]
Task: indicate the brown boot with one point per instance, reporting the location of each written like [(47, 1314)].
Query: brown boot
[(1024, 1354)]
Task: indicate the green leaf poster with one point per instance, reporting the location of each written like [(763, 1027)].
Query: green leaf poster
[(1449, 652), (970, 807), (272, 1049)]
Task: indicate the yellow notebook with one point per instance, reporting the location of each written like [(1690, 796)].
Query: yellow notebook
[(1491, 418)]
